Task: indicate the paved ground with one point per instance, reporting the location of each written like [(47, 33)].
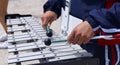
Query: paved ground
[(33, 7)]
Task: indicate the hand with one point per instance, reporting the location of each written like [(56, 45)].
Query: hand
[(82, 33), (48, 17)]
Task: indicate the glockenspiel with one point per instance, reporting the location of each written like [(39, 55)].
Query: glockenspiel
[(27, 37)]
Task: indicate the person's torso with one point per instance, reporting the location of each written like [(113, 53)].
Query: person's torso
[(81, 8)]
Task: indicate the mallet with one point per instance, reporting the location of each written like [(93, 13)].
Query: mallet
[(108, 37), (49, 31)]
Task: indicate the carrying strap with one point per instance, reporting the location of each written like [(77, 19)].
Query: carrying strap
[(66, 17)]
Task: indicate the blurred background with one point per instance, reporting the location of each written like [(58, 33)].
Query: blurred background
[(33, 7)]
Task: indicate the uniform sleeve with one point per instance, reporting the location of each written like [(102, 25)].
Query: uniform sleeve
[(54, 5), (105, 18)]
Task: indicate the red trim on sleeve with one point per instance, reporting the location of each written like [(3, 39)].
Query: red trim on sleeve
[(104, 42), (109, 3)]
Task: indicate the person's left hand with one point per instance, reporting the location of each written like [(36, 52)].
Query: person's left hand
[(82, 33)]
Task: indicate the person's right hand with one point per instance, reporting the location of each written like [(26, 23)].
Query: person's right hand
[(47, 18)]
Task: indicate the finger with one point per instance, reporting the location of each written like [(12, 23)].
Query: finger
[(42, 19), (71, 37), (80, 41), (45, 22), (50, 21), (87, 39), (77, 38)]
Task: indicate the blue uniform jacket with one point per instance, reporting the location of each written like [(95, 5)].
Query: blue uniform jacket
[(99, 18)]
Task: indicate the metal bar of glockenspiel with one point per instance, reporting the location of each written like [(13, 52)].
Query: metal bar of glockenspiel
[(33, 54), (11, 22), (12, 30), (15, 23), (71, 52), (30, 55), (58, 58), (31, 47), (22, 39), (35, 57), (19, 40), (62, 50), (24, 46), (20, 45), (8, 22), (32, 37), (23, 36), (20, 34), (58, 51), (70, 57), (30, 26), (29, 32), (39, 44)]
